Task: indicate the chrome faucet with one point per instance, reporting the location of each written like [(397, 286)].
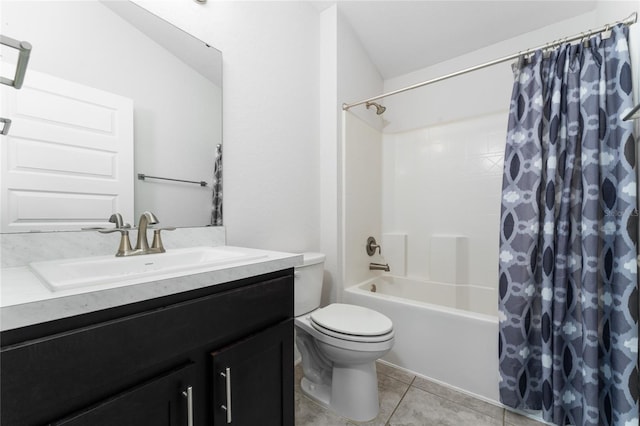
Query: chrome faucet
[(379, 267), (142, 244)]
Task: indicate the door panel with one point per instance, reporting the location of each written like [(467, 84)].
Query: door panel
[(67, 161)]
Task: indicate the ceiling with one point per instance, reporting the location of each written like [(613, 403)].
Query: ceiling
[(203, 58), (404, 36)]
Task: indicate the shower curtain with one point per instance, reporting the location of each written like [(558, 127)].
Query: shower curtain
[(216, 193), (568, 290)]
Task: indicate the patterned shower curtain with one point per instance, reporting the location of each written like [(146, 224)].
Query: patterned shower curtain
[(568, 287), (216, 193)]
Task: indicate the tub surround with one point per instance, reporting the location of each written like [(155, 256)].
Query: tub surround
[(395, 252), (448, 260)]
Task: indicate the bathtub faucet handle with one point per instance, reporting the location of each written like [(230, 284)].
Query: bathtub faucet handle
[(372, 245)]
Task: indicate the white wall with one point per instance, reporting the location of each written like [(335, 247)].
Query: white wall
[(358, 77), (270, 115), (610, 11), (330, 242), (87, 43)]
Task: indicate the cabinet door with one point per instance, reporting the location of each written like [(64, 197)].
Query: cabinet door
[(163, 400), (253, 379)]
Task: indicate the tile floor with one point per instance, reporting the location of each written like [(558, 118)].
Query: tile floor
[(408, 400)]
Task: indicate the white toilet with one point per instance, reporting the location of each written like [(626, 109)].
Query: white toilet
[(339, 345)]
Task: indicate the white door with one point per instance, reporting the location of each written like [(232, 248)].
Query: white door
[(67, 161)]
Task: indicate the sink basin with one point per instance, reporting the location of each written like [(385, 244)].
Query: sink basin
[(90, 271)]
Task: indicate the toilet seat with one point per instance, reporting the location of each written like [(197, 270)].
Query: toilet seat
[(344, 341), (352, 337), (353, 323)]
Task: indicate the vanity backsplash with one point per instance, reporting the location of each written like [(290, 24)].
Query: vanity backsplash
[(22, 249)]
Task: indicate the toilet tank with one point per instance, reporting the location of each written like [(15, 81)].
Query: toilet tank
[(307, 288)]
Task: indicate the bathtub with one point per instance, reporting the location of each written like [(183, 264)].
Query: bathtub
[(445, 332)]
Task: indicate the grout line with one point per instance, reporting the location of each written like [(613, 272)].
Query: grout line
[(400, 402), (455, 396)]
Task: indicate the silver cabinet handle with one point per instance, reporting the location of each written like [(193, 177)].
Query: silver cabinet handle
[(227, 407), (189, 395)]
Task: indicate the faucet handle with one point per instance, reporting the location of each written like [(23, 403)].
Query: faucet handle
[(372, 245), (157, 245), (117, 219), (124, 248), (123, 228)]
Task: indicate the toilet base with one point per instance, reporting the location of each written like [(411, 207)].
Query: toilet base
[(319, 393), (353, 393)]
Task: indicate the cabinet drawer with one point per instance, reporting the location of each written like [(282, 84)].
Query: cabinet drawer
[(62, 373)]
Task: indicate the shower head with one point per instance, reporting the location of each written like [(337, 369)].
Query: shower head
[(379, 108)]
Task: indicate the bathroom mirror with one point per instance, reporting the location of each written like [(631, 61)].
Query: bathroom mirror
[(113, 99)]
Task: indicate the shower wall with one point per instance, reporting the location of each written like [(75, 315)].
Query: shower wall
[(442, 181), (362, 197), (358, 192)]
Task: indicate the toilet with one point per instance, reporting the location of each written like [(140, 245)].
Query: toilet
[(339, 345)]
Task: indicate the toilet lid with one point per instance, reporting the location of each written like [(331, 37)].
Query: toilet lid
[(352, 320), (352, 338)]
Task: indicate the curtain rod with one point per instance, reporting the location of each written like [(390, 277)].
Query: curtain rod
[(632, 19)]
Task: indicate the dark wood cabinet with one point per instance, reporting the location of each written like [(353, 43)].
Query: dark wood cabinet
[(252, 381), (134, 365), (160, 401)]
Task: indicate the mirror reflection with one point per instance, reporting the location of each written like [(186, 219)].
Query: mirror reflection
[(119, 112)]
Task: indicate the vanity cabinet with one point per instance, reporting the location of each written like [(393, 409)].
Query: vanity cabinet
[(160, 401), (158, 362), (247, 385)]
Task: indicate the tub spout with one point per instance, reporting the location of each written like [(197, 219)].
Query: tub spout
[(379, 267)]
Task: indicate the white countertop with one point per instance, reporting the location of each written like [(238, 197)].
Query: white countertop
[(26, 300)]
